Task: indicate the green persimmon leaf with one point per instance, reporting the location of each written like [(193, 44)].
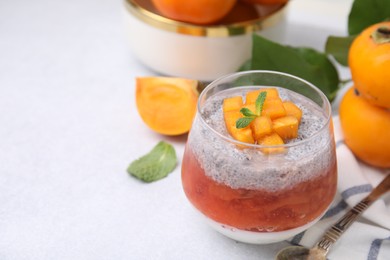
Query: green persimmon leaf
[(338, 47), (305, 63), (367, 12), (155, 165)]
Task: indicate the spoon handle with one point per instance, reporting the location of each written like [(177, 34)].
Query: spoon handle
[(335, 231)]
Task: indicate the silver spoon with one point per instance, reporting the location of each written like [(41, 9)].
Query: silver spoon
[(321, 249)]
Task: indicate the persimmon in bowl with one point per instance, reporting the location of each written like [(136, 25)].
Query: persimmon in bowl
[(198, 46)]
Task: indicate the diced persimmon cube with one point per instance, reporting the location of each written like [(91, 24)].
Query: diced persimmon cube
[(251, 107), (261, 126), (233, 103), (286, 127), (251, 96), (230, 118), (273, 108), (292, 110), (271, 140), (242, 134)]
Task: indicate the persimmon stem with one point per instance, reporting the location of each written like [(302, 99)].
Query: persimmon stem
[(381, 35)]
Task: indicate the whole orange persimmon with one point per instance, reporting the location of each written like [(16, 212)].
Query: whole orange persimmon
[(265, 2), (369, 61), (366, 129), (241, 12), (194, 11)]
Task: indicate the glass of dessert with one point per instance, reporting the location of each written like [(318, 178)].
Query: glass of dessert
[(260, 162)]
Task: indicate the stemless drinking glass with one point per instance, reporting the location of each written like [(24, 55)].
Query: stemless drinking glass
[(246, 193)]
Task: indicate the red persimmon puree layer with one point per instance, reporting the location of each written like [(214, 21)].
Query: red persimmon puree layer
[(258, 209)]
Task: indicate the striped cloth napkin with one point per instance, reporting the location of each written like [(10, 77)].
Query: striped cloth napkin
[(369, 237)]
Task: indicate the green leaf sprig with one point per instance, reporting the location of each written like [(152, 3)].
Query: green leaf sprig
[(306, 63), (363, 13), (313, 65), (249, 116), (155, 165)]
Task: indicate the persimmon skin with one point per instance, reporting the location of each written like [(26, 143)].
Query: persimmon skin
[(265, 2), (370, 66), (366, 129), (167, 105), (194, 11), (241, 12)]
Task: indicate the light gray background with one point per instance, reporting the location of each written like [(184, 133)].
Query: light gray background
[(69, 128)]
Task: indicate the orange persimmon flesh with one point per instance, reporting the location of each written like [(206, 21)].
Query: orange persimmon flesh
[(233, 103), (251, 96), (242, 134), (273, 108), (270, 140), (278, 122), (292, 110), (166, 104), (261, 126), (286, 127)]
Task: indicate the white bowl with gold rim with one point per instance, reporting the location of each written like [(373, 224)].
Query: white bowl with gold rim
[(196, 51)]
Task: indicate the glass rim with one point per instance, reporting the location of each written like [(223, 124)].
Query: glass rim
[(257, 146)]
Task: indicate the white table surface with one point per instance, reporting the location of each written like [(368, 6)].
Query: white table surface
[(69, 128)]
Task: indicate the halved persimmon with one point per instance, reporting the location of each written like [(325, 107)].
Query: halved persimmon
[(167, 105)]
